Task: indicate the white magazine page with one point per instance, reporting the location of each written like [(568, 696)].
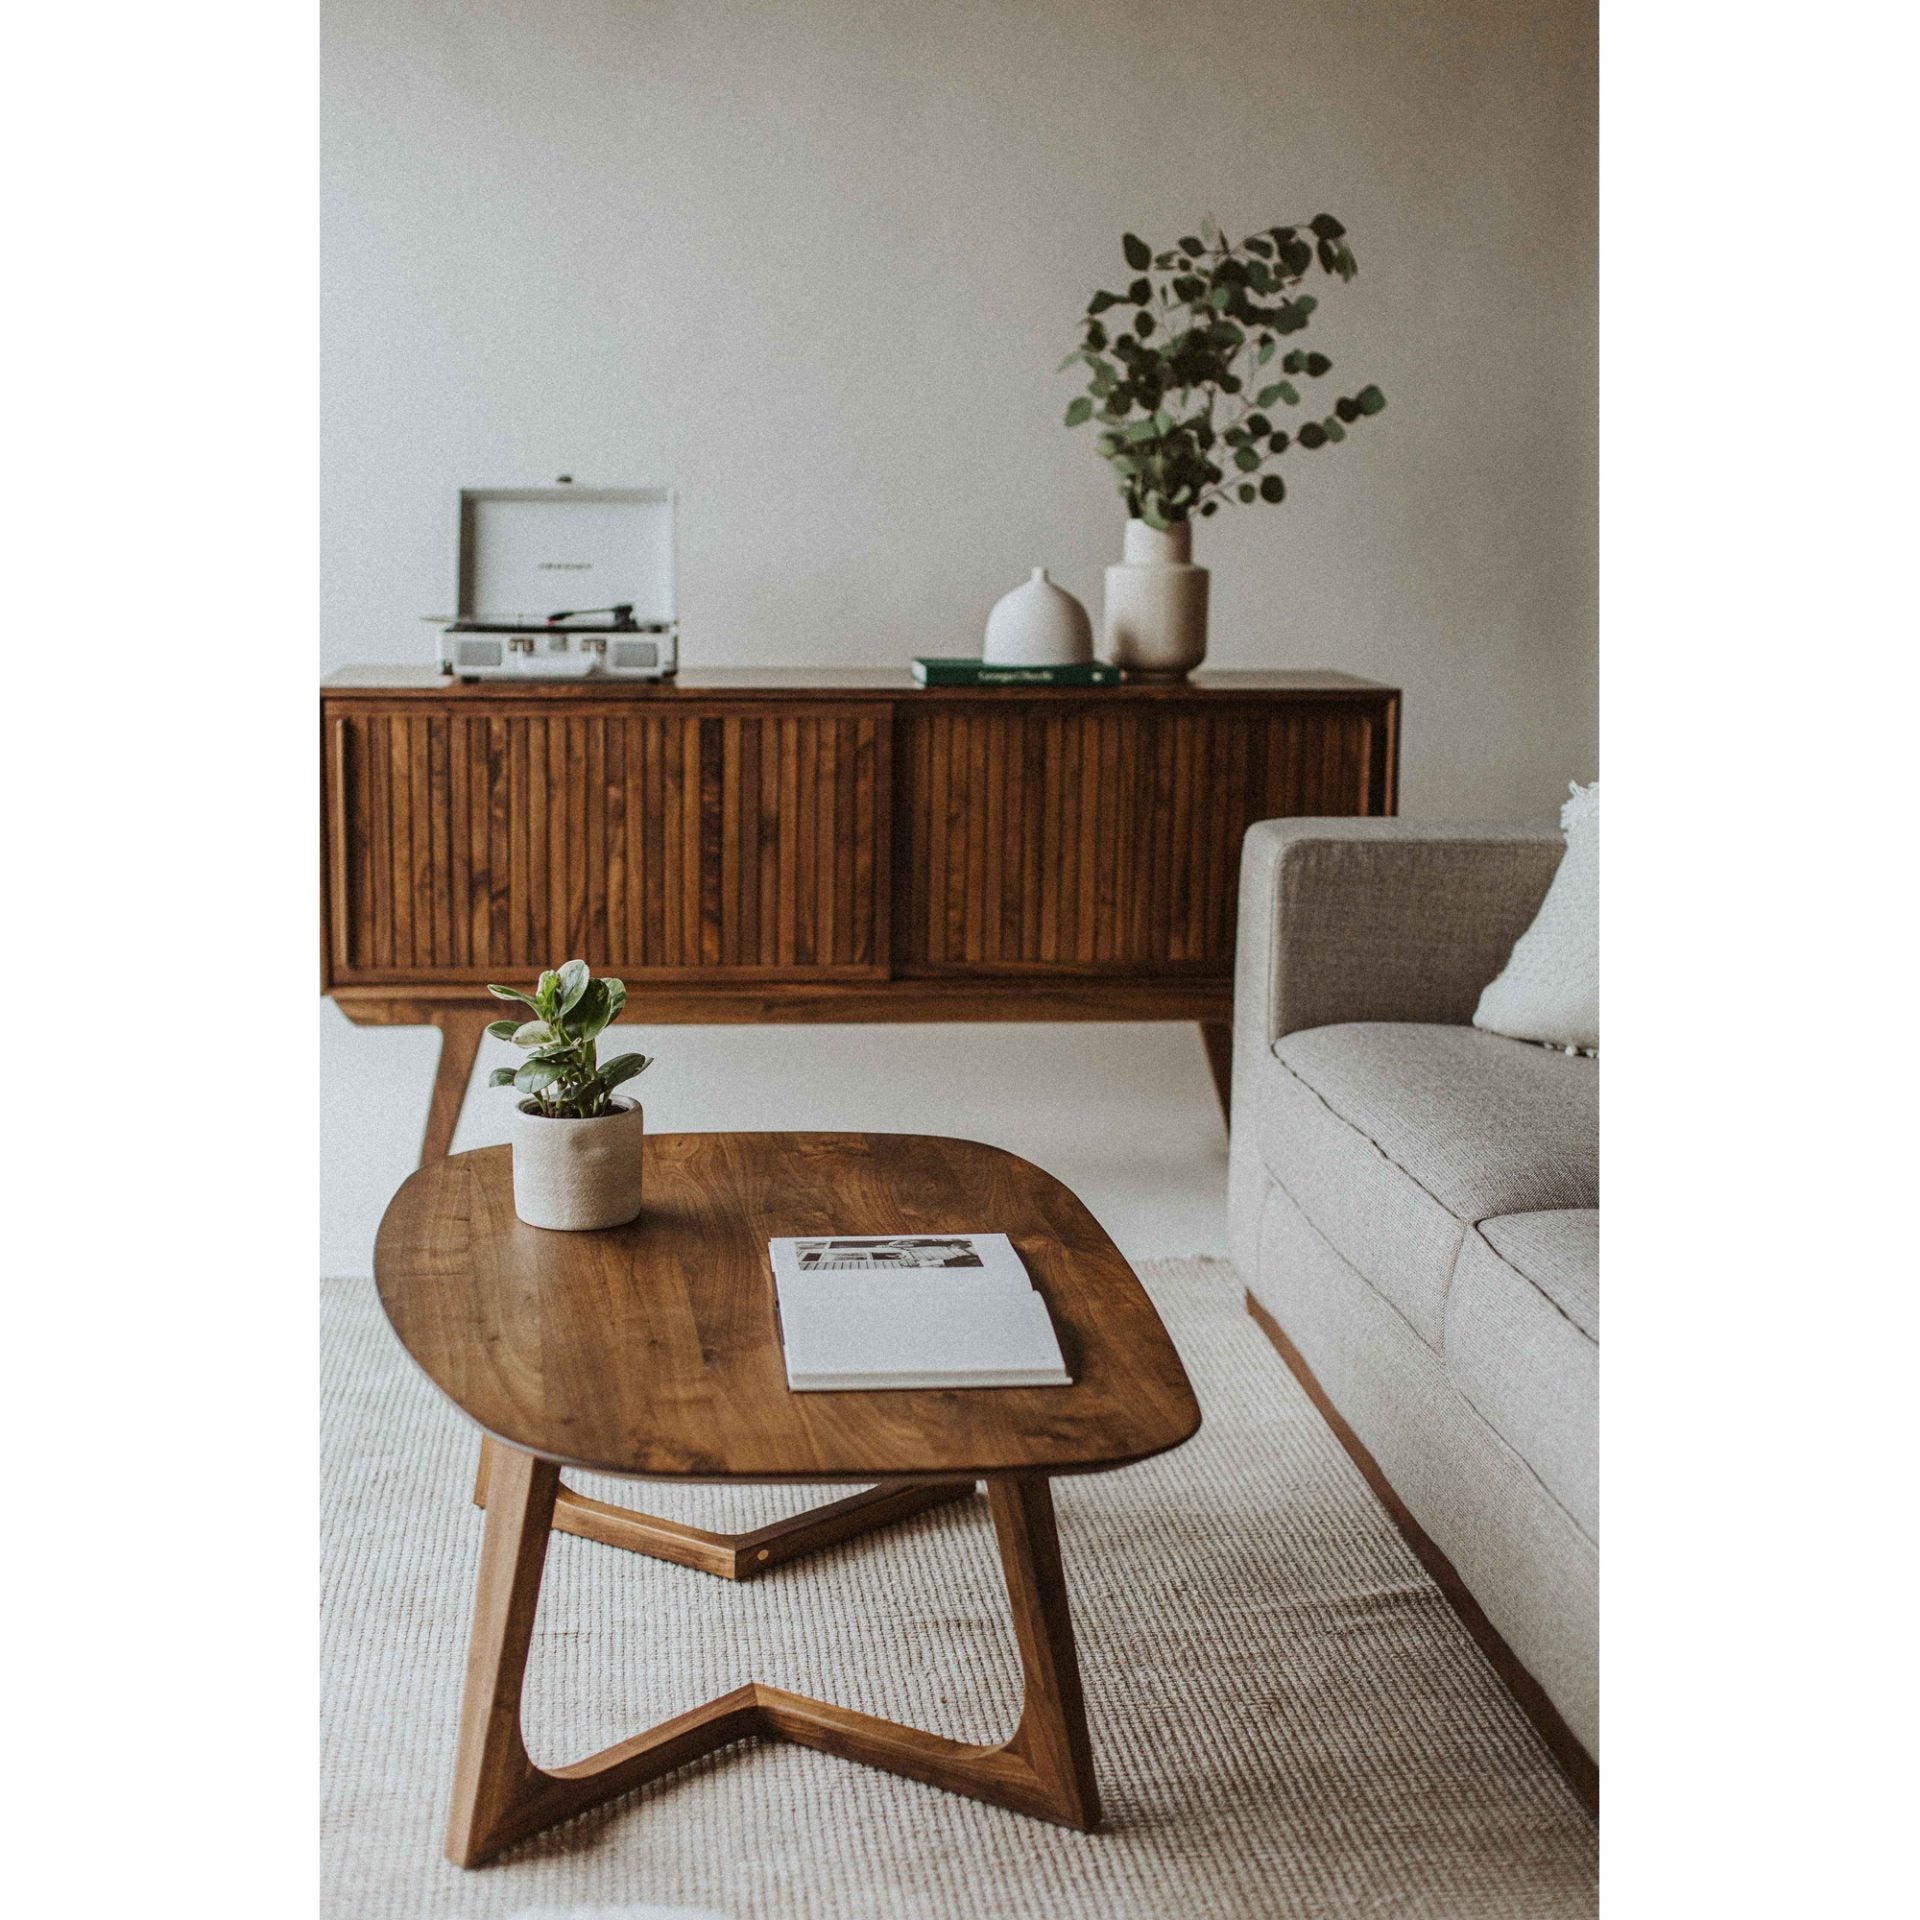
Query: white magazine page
[(926, 1255)]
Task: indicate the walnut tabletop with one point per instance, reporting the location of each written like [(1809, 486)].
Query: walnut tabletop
[(654, 1349)]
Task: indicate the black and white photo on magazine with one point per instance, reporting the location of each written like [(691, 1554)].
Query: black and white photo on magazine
[(892, 1252)]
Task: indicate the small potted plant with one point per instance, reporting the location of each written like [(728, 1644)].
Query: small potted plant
[(576, 1149)]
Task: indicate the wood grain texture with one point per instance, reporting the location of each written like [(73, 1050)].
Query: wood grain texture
[(653, 1349), (694, 999), (1103, 835), (1045, 1768), (735, 840), (496, 846), (736, 1556), (462, 1028)]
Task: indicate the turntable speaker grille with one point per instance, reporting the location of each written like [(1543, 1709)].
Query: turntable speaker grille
[(634, 655)]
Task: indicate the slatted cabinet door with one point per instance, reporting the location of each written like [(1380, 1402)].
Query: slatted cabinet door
[(681, 842), (1100, 838)]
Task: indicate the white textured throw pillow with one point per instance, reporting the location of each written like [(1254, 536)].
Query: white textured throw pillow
[(1549, 989)]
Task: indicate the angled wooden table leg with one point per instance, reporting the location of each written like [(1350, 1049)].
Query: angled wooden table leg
[(461, 1031), (737, 1556), (1052, 1734), (1046, 1768), (499, 1796)]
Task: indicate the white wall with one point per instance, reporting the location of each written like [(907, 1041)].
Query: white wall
[(813, 263)]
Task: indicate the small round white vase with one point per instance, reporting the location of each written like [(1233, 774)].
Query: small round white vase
[(1038, 624), (576, 1175), (1155, 625)]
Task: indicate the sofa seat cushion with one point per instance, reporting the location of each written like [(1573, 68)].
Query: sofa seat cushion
[(1559, 1253), (1523, 1348), (1395, 1139)]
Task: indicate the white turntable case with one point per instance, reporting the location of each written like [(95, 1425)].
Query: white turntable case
[(525, 554)]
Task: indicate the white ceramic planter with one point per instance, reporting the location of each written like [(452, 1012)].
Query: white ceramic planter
[(1038, 624), (576, 1175), (1155, 625)]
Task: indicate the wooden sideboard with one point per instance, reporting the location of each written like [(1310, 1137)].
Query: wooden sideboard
[(814, 845)]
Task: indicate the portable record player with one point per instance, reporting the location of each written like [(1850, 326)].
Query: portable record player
[(564, 583)]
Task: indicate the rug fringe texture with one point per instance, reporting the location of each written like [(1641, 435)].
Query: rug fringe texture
[(1287, 1718)]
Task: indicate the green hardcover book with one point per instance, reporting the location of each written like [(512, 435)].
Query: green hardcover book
[(977, 673)]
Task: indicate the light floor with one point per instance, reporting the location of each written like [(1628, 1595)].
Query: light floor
[(1124, 1114)]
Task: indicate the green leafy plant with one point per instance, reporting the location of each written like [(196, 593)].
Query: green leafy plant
[(1196, 381), (562, 1071)]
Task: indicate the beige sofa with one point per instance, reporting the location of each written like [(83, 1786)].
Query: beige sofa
[(1415, 1203)]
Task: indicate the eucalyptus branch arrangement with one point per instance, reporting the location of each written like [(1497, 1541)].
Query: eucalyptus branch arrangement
[(562, 1070), (1187, 383)]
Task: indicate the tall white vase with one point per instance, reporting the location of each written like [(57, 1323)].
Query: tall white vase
[(1155, 624)]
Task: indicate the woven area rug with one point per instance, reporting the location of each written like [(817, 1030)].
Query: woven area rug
[(1287, 1718)]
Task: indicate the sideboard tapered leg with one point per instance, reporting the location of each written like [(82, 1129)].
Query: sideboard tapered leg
[(461, 1031)]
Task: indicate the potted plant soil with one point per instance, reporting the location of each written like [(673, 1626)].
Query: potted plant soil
[(576, 1149)]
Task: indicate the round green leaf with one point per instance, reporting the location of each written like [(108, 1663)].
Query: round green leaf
[(1140, 292), (1272, 488), (1138, 253), (572, 984), (1312, 435), (1079, 410), (1317, 364), (1246, 459), (1246, 491), (1370, 400)]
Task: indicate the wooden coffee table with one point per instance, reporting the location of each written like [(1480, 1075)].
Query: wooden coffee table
[(653, 1351)]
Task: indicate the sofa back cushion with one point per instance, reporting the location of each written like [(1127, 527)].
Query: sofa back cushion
[(1549, 989)]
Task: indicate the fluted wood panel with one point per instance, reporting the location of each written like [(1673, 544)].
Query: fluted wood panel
[(472, 845), (1089, 838)]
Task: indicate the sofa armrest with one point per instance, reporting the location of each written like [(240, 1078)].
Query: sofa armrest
[(1380, 919), (1366, 920)]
